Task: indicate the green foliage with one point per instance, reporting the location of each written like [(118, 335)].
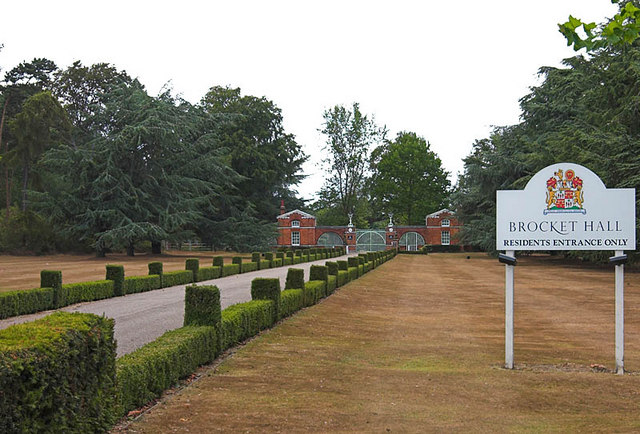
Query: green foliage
[(174, 278), (349, 137), (249, 266), (230, 269), (202, 306), (193, 264), (72, 293), (353, 261), (264, 264), (27, 232), (244, 320), (267, 289), (280, 255), (218, 261), (145, 373), (343, 265), (135, 284), (57, 374), (288, 260), (116, 273), (623, 29), (332, 267), (291, 301), (353, 273), (319, 272), (332, 283), (255, 257), (268, 256), (343, 278), (314, 290), (209, 273), (52, 279), (25, 301), (408, 179), (276, 263), (295, 279), (155, 268), (236, 260)]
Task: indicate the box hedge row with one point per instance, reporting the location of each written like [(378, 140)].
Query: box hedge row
[(244, 320), (72, 293), (230, 270), (174, 278), (23, 302), (291, 301), (209, 273), (136, 284)]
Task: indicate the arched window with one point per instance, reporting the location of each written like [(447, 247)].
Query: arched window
[(295, 223), (411, 241), (445, 223), (330, 239)]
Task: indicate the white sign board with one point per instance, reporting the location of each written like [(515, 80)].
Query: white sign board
[(566, 206)]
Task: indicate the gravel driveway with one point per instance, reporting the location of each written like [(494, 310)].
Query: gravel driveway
[(141, 318)]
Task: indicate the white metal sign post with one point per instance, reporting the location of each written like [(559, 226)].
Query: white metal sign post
[(566, 206)]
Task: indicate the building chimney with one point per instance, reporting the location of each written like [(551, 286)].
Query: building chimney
[(281, 206)]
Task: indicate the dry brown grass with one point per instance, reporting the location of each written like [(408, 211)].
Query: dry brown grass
[(417, 346), (23, 272)]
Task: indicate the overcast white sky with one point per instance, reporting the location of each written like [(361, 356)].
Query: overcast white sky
[(446, 70)]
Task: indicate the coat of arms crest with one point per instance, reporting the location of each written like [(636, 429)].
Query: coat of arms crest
[(564, 193)]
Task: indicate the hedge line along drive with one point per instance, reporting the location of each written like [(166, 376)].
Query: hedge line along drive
[(60, 373), (52, 294)]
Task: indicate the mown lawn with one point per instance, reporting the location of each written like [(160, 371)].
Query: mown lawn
[(417, 345)]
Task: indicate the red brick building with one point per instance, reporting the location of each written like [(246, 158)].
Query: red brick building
[(298, 229)]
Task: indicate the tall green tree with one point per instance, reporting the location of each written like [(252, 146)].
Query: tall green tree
[(267, 157), (156, 175), (408, 178), (350, 135)]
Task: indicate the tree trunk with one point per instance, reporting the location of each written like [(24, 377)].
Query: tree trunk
[(130, 250), (156, 247)]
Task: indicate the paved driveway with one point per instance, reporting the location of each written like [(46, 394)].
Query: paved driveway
[(141, 318)]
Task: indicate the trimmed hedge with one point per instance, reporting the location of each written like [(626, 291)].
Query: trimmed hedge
[(332, 267), (353, 273), (319, 272), (72, 293), (22, 302), (276, 263), (145, 373), (280, 255), (288, 261), (116, 273), (136, 284), (244, 320), (264, 264), (331, 283), (155, 268), (174, 278), (291, 301), (268, 256), (314, 290), (209, 273), (343, 265), (255, 257), (57, 374), (249, 266), (52, 279), (267, 289), (202, 305), (343, 278), (295, 279), (218, 261), (193, 265), (230, 270), (237, 260)]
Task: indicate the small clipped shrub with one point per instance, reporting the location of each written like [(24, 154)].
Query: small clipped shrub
[(291, 301), (58, 375), (343, 278), (193, 264), (155, 268), (353, 273), (174, 278), (276, 263), (353, 261), (202, 306), (116, 274), (332, 267), (209, 273), (332, 283), (343, 265), (236, 260), (288, 261), (280, 255), (22, 302), (135, 284), (264, 264), (268, 256), (249, 266), (230, 269), (72, 293), (314, 290), (319, 272), (52, 279), (255, 257), (267, 289), (295, 279), (145, 373), (244, 320), (218, 261)]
